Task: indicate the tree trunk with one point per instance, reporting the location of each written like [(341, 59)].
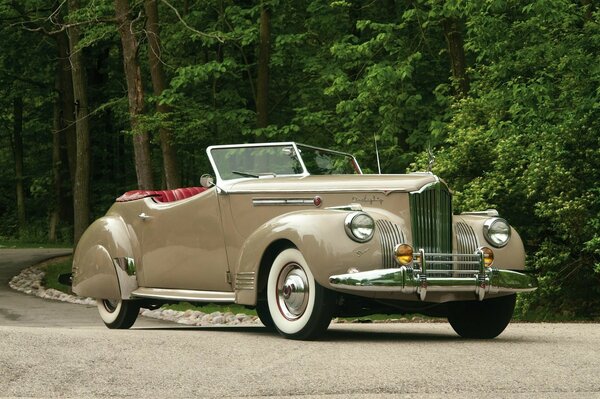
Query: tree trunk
[(135, 95), (67, 101), (456, 49), (56, 133), (159, 83), (81, 196), (18, 155), (262, 84)]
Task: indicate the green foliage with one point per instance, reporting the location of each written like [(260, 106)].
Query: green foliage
[(53, 271), (526, 142)]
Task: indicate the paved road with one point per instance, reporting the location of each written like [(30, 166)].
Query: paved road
[(69, 353)]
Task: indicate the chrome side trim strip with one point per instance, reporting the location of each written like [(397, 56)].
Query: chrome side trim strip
[(384, 191), (185, 295), (283, 201), (488, 212)]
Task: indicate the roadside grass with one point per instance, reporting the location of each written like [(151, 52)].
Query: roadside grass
[(14, 244), (55, 269)]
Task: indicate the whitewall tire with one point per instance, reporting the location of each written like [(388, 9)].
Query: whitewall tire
[(118, 314), (299, 307)]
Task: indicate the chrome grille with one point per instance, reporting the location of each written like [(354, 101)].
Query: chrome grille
[(391, 235), (431, 218), (466, 243)]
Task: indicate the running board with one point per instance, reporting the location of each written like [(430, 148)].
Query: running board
[(185, 295)]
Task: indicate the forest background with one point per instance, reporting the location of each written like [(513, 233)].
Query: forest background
[(99, 97)]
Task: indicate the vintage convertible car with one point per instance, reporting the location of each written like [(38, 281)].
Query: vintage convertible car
[(301, 235)]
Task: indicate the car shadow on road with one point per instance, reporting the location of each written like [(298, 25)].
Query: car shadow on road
[(345, 334)]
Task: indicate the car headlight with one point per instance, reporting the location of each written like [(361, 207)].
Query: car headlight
[(359, 226), (497, 232)]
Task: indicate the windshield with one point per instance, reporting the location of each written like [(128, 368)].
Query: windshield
[(281, 159), (233, 163), (325, 162)]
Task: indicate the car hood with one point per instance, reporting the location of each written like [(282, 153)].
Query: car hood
[(334, 183)]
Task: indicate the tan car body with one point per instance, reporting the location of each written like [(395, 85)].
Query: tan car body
[(217, 246)]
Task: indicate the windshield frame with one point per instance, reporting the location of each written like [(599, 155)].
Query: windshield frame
[(292, 144)]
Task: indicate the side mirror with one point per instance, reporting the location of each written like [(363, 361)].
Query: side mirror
[(206, 181)]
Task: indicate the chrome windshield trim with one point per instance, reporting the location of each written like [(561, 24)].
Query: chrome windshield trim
[(225, 184), (220, 181)]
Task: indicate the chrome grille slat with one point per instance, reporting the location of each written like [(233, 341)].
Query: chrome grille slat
[(431, 218), (466, 243), (391, 235)]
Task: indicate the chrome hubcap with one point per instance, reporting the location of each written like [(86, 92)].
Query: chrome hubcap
[(292, 291), (109, 305)]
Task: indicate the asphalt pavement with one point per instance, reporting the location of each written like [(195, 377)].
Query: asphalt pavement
[(50, 349)]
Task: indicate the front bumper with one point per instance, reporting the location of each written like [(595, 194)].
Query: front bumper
[(414, 279)]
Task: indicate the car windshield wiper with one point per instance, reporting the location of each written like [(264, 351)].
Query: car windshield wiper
[(255, 175), (245, 174)]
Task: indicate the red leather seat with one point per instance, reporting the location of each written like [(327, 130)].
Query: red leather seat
[(161, 195)]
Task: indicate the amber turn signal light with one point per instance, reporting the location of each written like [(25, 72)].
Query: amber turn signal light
[(403, 254), (488, 256)]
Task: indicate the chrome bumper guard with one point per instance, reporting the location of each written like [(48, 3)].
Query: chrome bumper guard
[(414, 279)]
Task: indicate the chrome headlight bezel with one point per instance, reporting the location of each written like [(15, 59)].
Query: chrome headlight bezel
[(359, 226), (493, 231)]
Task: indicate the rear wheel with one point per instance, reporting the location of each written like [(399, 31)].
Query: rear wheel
[(481, 320), (118, 314), (299, 307)]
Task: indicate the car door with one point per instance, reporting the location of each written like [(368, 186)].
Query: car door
[(183, 246)]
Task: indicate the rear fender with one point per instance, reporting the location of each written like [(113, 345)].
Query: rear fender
[(104, 260)]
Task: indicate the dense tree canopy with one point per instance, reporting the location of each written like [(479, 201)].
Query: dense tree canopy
[(505, 92)]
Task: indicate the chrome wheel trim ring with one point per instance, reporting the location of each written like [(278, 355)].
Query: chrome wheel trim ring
[(293, 291), (110, 306)]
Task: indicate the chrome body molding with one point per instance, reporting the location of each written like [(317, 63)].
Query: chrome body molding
[(126, 277), (245, 280), (126, 264), (488, 212), (283, 201), (184, 295), (480, 280)]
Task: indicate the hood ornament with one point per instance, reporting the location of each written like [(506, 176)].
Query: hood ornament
[(431, 159)]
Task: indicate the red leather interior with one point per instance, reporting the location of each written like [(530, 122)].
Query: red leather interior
[(161, 195)]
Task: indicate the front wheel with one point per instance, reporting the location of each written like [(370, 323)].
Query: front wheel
[(481, 320), (118, 314), (299, 307)]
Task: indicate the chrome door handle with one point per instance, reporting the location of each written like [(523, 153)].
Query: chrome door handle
[(143, 216)]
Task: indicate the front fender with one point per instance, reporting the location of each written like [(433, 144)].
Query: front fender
[(511, 256), (96, 272), (319, 235)]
